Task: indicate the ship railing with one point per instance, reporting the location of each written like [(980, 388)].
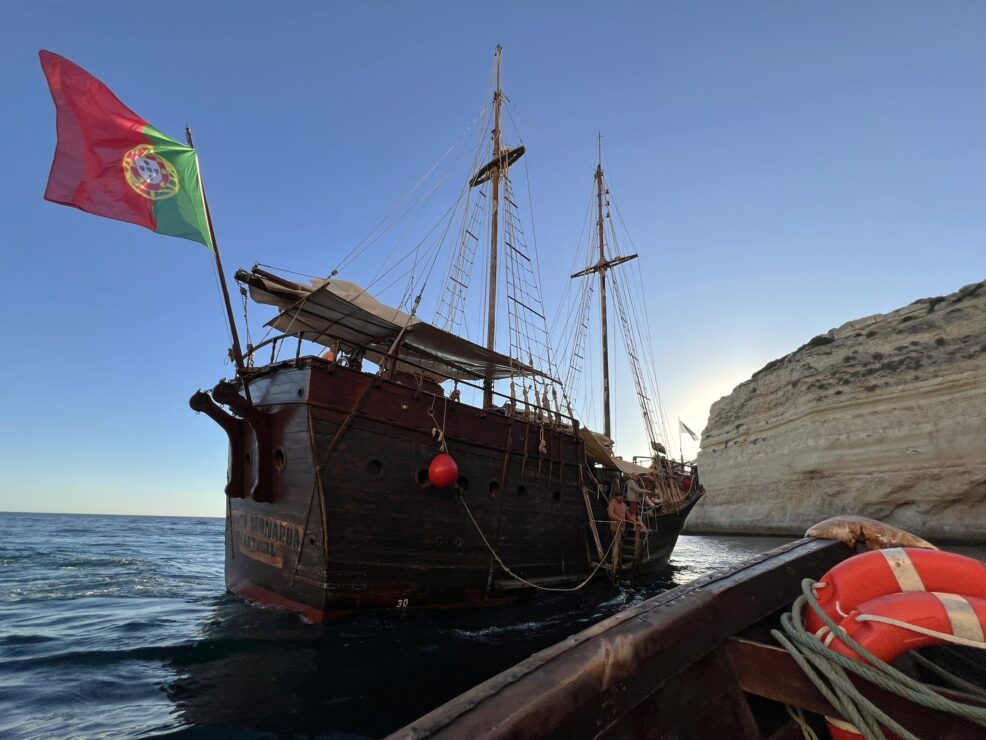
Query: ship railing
[(529, 412)]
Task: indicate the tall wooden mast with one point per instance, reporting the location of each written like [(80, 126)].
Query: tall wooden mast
[(601, 267), (492, 172), (602, 297), (494, 224)]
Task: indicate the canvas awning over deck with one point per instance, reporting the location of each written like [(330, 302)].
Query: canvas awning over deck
[(599, 449), (330, 311)]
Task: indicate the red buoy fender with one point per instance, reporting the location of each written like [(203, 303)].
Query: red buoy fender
[(871, 626), (899, 569), (443, 471)]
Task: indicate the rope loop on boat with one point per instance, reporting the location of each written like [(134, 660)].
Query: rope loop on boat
[(521, 579), (943, 636), (826, 669), (439, 428)]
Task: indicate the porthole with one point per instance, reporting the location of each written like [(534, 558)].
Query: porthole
[(462, 484), (311, 541), (521, 490), (439, 540), (458, 542), (494, 488), (422, 478), (374, 469), (280, 462), (301, 393)]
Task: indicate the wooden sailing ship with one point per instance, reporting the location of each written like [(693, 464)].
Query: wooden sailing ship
[(333, 500)]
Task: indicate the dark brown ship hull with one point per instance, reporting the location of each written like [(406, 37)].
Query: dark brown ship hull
[(330, 508)]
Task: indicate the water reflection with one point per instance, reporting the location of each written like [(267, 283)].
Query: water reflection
[(263, 671)]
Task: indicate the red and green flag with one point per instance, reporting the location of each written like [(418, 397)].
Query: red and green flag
[(111, 162)]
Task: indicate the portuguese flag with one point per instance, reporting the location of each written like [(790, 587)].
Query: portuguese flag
[(111, 162)]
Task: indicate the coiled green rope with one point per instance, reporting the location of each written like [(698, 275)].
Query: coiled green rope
[(827, 671)]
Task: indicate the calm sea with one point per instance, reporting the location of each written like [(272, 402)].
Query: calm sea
[(116, 626)]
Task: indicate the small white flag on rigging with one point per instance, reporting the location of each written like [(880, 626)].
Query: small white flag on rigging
[(687, 431)]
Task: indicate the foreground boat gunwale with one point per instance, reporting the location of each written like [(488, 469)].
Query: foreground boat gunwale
[(580, 683)]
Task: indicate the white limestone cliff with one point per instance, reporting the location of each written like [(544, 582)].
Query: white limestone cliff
[(884, 416)]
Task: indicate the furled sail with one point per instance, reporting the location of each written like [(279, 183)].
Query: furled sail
[(599, 449), (330, 311)]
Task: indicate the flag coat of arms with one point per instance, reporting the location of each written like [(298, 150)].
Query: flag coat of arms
[(111, 162)]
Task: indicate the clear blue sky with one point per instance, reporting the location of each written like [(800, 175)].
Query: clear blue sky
[(784, 167)]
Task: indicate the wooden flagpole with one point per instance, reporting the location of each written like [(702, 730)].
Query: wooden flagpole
[(237, 352), (681, 450)]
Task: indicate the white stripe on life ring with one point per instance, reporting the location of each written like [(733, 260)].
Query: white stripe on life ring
[(903, 569), (843, 725), (962, 617)]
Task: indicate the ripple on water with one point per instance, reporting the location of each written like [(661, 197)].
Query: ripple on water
[(120, 626)]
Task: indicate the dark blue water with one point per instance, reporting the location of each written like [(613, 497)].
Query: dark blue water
[(121, 627)]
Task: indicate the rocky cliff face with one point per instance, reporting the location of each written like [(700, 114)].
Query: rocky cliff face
[(884, 416)]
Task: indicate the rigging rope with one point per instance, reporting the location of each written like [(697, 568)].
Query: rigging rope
[(575, 330), (444, 446), (638, 310), (419, 204), (246, 325), (630, 345), (367, 241), (648, 347), (440, 428), (523, 580), (222, 304), (529, 341)]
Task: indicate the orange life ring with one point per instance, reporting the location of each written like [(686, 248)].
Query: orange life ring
[(899, 569), (870, 625)]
